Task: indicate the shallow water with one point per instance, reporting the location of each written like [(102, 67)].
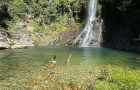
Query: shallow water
[(16, 60), (87, 55)]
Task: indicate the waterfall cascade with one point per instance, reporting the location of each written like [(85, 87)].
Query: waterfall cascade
[(87, 34)]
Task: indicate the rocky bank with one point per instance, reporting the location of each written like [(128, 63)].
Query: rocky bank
[(15, 38)]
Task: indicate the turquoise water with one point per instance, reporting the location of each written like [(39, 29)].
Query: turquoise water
[(86, 56)]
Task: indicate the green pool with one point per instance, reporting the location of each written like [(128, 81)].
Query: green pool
[(16, 61), (87, 55)]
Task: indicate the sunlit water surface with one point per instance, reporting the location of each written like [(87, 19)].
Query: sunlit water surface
[(80, 56)]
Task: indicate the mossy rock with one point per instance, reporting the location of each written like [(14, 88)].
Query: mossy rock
[(48, 77), (2, 53), (138, 61), (71, 86), (49, 65), (37, 63), (3, 67), (107, 66), (19, 68), (115, 64), (32, 83), (138, 58)]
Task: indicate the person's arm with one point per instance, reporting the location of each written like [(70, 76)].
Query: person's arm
[(69, 57), (51, 60)]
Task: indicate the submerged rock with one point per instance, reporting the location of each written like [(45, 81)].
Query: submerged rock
[(49, 65), (19, 68), (72, 77), (2, 53), (3, 67), (138, 58), (71, 86), (37, 63), (32, 83), (47, 77)]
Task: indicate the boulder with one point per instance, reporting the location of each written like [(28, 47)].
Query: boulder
[(24, 42), (4, 45), (3, 40)]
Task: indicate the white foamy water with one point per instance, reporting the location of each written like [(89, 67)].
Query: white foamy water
[(88, 32)]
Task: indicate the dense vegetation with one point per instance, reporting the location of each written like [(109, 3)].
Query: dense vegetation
[(47, 14), (4, 14)]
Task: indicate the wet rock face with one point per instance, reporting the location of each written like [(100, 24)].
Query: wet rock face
[(65, 38), (117, 35), (95, 41), (121, 24), (93, 36)]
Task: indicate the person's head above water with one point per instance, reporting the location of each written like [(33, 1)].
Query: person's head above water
[(54, 57)]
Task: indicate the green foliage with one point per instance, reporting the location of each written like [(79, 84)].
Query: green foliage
[(49, 11), (55, 16), (38, 26), (4, 15)]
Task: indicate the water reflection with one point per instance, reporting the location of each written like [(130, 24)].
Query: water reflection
[(89, 54)]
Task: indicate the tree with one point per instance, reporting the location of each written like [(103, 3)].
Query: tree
[(4, 15)]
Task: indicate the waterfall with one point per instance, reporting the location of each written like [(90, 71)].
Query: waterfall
[(87, 34)]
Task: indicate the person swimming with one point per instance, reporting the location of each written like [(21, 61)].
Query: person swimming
[(53, 61), (68, 61)]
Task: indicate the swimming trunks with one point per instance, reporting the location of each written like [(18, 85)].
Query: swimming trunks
[(54, 62)]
